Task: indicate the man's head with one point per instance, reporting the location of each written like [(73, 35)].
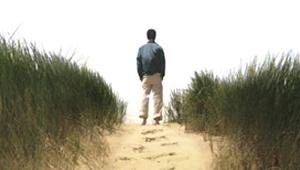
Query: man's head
[(151, 34)]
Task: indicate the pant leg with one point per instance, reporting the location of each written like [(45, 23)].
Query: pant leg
[(146, 87), (157, 96)]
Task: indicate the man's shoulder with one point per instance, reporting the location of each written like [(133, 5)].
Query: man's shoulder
[(143, 46), (158, 47), (151, 45)]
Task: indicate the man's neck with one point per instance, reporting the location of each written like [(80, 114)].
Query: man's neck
[(151, 41)]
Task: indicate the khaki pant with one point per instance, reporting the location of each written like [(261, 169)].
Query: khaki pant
[(152, 83)]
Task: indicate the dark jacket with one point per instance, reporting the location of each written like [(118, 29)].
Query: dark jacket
[(150, 60)]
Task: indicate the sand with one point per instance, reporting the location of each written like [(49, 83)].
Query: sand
[(160, 147)]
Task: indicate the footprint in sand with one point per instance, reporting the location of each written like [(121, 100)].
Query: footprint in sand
[(169, 144), (169, 168), (138, 148), (152, 131), (125, 158), (160, 155), (151, 139)]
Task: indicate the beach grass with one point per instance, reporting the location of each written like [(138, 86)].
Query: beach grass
[(48, 104), (256, 110)]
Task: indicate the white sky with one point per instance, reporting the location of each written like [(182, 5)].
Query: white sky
[(217, 35)]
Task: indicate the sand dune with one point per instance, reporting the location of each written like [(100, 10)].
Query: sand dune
[(162, 147)]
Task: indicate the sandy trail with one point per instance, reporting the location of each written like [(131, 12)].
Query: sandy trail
[(162, 147)]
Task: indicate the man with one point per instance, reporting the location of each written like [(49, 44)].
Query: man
[(151, 70)]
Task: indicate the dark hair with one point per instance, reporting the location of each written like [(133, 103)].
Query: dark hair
[(151, 34)]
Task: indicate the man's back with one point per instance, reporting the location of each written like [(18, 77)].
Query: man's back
[(151, 59)]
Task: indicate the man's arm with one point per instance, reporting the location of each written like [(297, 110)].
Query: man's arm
[(139, 65), (163, 63)]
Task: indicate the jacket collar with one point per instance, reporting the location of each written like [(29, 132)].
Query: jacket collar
[(151, 41)]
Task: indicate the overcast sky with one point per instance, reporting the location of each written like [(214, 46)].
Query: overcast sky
[(214, 35)]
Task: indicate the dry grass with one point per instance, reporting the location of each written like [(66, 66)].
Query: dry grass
[(47, 103), (257, 110)]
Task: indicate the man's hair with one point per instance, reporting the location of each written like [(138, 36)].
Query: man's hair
[(151, 34)]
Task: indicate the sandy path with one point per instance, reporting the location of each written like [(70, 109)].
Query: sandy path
[(163, 147)]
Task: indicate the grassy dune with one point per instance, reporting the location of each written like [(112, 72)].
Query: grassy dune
[(48, 106), (256, 110)]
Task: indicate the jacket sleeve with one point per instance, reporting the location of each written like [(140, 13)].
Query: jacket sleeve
[(139, 65), (163, 63)]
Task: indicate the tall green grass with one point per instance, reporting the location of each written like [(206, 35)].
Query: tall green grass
[(48, 105), (256, 110)]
